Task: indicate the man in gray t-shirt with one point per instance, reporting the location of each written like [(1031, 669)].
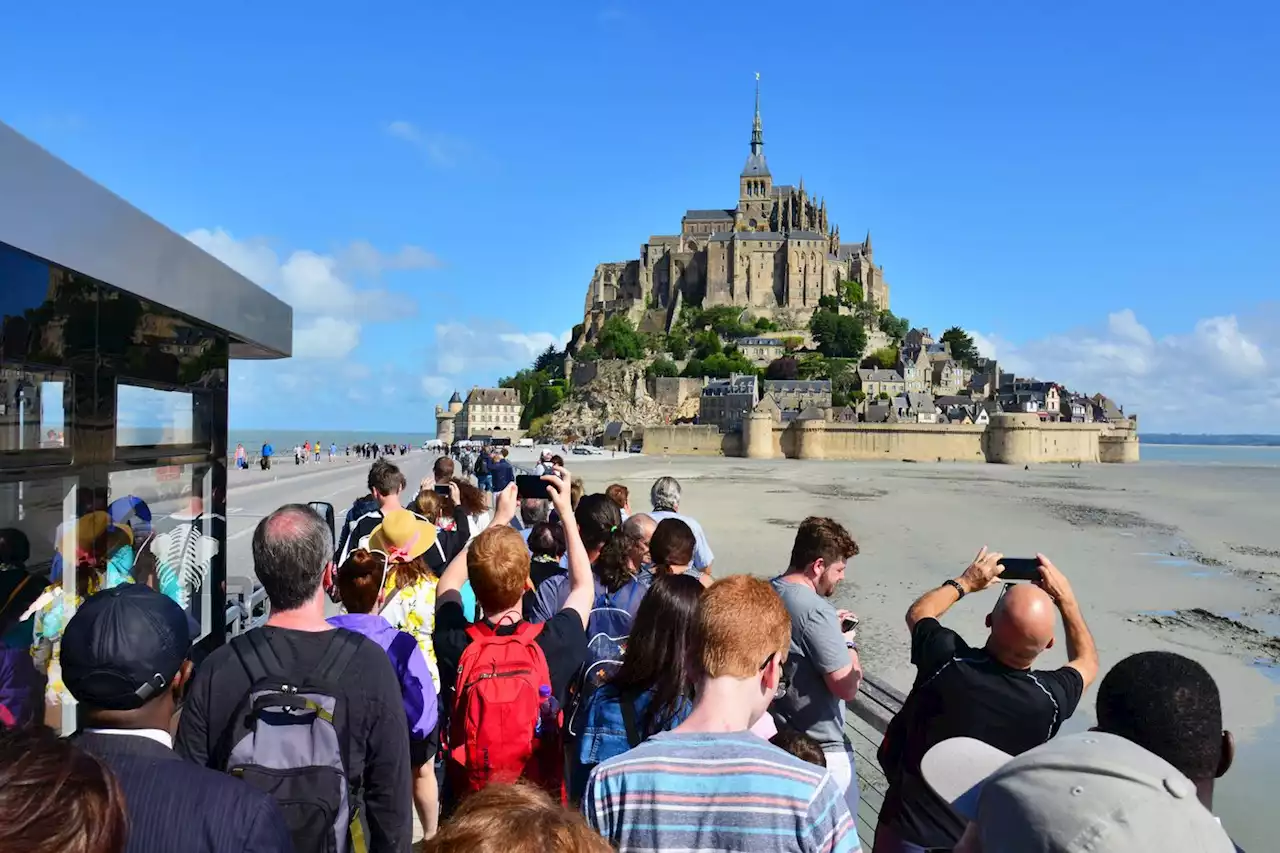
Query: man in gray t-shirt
[(822, 664)]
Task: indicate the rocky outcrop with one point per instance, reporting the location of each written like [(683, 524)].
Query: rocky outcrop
[(617, 393)]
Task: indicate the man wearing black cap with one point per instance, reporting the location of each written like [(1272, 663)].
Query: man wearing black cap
[(124, 659)]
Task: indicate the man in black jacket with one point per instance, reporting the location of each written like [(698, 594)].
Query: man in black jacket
[(124, 659), (291, 558)]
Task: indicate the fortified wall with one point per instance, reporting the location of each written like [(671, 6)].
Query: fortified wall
[(1010, 439)]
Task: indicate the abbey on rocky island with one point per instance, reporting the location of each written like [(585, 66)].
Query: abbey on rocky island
[(775, 254)]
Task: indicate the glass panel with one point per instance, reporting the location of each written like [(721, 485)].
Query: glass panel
[(42, 521), (178, 534), (34, 409), (150, 416)]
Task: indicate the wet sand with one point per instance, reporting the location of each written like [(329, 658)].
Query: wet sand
[(1165, 556)]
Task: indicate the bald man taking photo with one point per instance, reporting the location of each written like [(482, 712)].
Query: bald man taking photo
[(990, 693)]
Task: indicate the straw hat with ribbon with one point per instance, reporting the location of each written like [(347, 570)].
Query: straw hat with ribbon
[(402, 536)]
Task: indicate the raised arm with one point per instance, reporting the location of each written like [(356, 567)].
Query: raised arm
[(982, 573), (449, 588), (1082, 654), (582, 587)]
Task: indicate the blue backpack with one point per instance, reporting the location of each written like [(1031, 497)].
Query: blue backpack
[(608, 627)]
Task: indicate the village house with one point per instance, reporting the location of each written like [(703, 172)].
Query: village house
[(916, 372), (949, 376), (796, 395), (725, 402), (761, 351), (873, 383)]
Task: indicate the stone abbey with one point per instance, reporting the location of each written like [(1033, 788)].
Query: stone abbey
[(775, 254)]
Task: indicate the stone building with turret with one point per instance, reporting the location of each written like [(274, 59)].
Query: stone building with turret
[(446, 419), (775, 254)]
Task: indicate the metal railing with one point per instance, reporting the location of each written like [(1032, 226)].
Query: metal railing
[(246, 605), (868, 717)]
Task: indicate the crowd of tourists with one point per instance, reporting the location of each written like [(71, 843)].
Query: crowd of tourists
[(565, 673)]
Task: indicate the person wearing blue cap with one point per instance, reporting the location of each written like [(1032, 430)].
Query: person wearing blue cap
[(125, 659)]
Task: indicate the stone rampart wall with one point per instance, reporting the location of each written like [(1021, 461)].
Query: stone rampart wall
[(674, 390), (1008, 439), (691, 440)]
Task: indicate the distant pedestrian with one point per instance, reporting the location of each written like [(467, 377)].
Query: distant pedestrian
[(267, 452), (242, 458)]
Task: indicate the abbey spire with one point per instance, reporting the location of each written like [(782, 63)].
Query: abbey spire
[(757, 130)]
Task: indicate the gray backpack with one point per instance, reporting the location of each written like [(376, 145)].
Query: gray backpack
[(285, 743)]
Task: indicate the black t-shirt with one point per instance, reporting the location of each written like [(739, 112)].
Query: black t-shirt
[(963, 692), (369, 718), (540, 571), (563, 640)]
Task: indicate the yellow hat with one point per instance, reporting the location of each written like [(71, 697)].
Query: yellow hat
[(88, 529), (402, 536)]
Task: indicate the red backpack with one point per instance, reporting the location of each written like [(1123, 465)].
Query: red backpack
[(496, 705)]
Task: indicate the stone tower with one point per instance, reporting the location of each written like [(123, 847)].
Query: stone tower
[(445, 418), (755, 184)]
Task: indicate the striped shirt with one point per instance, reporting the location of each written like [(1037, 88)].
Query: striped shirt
[(692, 791)]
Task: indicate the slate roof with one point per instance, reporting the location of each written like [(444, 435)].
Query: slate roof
[(759, 342), (756, 166), (708, 215), (456, 398), (797, 386), (866, 374), (806, 235), (493, 397)]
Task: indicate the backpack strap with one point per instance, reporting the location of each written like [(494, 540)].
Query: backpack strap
[(256, 655), (342, 647), (626, 701)]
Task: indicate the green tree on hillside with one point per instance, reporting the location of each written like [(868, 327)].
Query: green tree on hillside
[(705, 344), (588, 353), (838, 335), (894, 327), (963, 349), (693, 369), (886, 358), (550, 361), (791, 343), (662, 367), (850, 293), (619, 339), (829, 303), (678, 344), (764, 324)]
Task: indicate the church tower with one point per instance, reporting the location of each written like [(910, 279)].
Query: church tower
[(755, 184)]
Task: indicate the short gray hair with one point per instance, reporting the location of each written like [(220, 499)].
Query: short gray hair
[(291, 548), (665, 494)]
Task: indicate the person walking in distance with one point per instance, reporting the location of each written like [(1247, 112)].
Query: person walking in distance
[(990, 694), (823, 661), (710, 784), (126, 660), (501, 471), (310, 713), (484, 480)]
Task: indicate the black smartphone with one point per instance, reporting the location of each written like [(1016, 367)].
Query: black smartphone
[(530, 486), (442, 490), (847, 625), (1020, 569)]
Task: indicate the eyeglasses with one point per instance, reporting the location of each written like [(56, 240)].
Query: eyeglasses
[(784, 681)]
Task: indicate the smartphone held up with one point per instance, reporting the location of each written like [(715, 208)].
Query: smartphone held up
[(1020, 569)]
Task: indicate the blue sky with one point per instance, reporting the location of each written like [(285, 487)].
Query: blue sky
[(1090, 187)]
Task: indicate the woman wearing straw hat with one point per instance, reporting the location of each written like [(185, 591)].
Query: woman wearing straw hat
[(408, 597)]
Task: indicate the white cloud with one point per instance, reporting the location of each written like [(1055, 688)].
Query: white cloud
[(363, 258), (325, 337), (436, 386), (439, 149), (462, 348), (328, 308), (1223, 375)]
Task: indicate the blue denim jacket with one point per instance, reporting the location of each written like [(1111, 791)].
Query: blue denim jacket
[(604, 734)]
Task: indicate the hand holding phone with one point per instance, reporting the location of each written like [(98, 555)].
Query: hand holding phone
[(531, 486), (1020, 569), (848, 624), (442, 490)]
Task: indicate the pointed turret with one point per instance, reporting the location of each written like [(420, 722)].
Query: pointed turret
[(866, 244), (756, 166)]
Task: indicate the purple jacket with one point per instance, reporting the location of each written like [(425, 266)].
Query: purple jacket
[(416, 686)]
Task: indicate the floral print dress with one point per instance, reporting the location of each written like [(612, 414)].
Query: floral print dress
[(413, 610)]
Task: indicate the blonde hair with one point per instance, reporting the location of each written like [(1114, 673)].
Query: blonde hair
[(741, 621), (514, 819), (498, 566)]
